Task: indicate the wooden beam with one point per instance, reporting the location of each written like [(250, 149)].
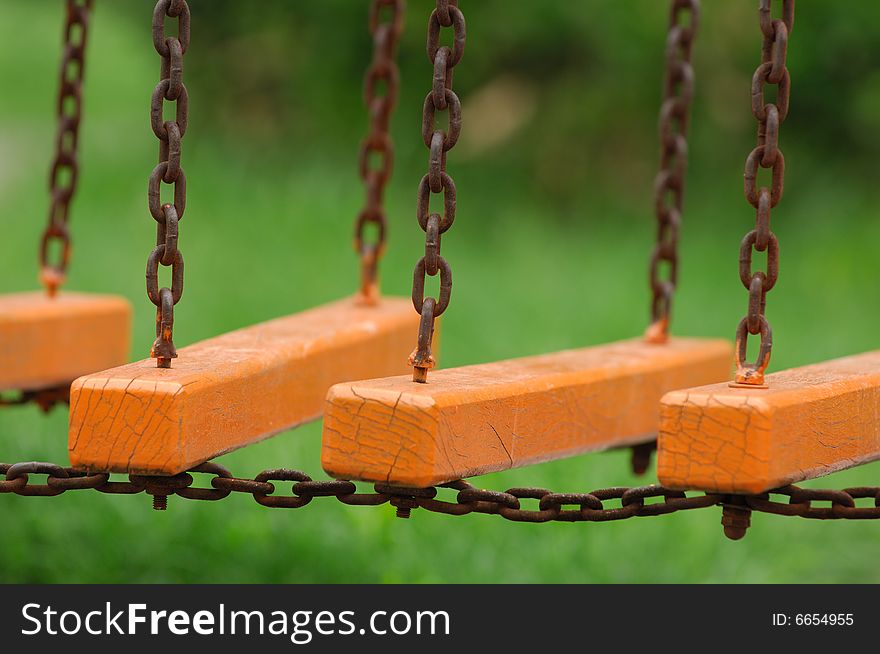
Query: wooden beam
[(47, 342), (236, 389), (484, 418), (809, 422)]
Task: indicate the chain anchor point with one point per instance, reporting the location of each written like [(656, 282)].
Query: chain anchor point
[(657, 332), (51, 279), (421, 365), (749, 378)]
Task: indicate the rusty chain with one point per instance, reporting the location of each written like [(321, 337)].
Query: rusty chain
[(441, 97), (64, 171), (602, 505), (381, 83), (597, 506), (170, 133), (678, 89), (63, 177), (770, 116)]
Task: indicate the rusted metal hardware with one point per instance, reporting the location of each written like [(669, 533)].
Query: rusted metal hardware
[(64, 172), (439, 142), (678, 90), (603, 505), (381, 84), (640, 459), (159, 488), (736, 517), (766, 154), (170, 133)]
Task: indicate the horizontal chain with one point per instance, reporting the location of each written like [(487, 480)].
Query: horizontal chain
[(45, 398), (602, 505)]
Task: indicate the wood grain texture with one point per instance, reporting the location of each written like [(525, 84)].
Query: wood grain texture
[(47, 342), (810, 422), (484, 418), (229, 391)]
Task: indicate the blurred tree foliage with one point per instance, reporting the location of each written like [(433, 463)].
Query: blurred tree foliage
[(560, 97)]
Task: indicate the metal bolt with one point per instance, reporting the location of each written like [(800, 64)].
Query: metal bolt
[(641, 457), (404, 506), (736, 518), (160, 502), (420, 375)]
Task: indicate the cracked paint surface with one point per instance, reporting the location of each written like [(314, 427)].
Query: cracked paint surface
[(233, 390), (478, 419), (810, 422)]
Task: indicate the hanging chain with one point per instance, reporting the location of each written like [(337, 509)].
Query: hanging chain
[(591, 507), (439, 142), (170, 134), (65, 166), (382, 71), (678, 90), (767, 154)]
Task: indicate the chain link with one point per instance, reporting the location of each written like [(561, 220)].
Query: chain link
[(600, 505), (842, 504), (215, 482), (170, 133), (439, 142), (772, 71), (678, 88), (64, 173), (381, 85)]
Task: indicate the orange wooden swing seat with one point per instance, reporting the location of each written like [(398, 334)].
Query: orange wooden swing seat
[(496, 416), (746, 437), (764, 433), (232, 390), (47, 342), (250, 384), (49, 338), (808, 422)]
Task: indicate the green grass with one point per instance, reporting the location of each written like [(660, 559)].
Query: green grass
[(267, 232)]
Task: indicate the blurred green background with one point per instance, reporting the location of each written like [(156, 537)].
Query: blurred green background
[(554, 172)]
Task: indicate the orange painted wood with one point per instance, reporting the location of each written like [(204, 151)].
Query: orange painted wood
[(495, 416), (809, 422), (46, 342), (239, 388)]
